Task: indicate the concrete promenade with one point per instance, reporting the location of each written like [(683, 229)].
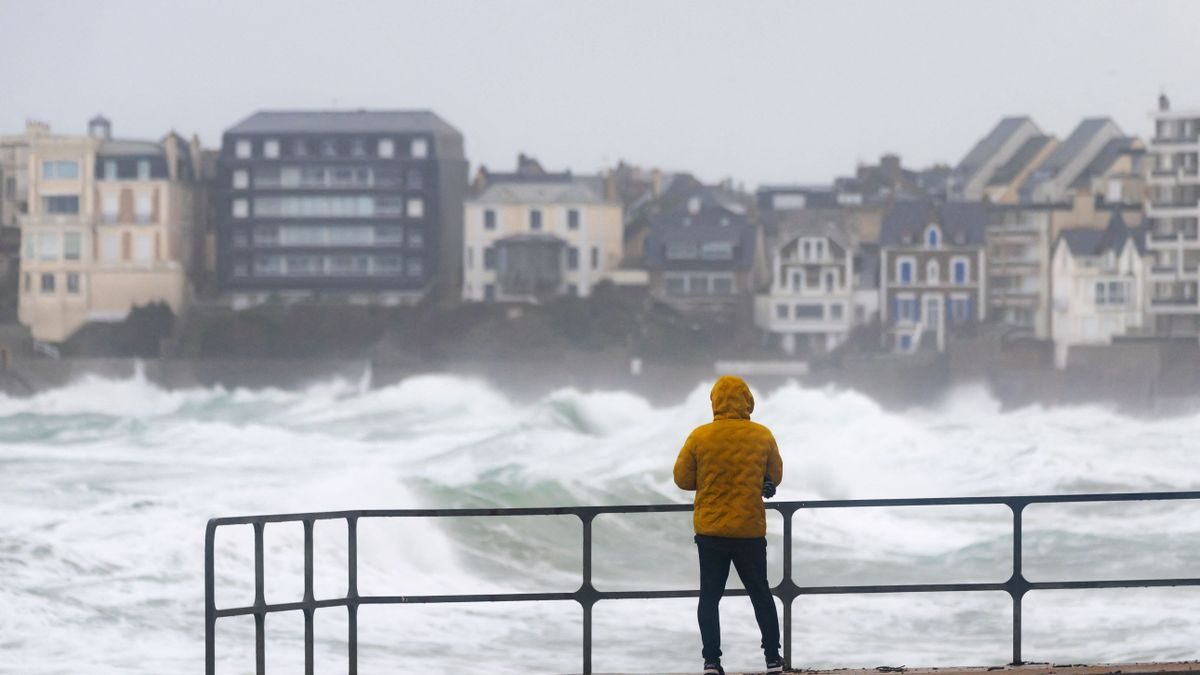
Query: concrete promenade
[(1030, 669)]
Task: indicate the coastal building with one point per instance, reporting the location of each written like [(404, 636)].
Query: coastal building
[(1173, 219), (1018, 242), (933, 274), (534, 238), (972, 175), (703, 254), (810, 304), (1004, 185), (363, 205), (1100, 286), (108, 228)]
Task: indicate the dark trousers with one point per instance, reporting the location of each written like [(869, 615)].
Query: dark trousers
[(749, 557)]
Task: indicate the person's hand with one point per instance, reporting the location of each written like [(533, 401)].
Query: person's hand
[(768, 490)]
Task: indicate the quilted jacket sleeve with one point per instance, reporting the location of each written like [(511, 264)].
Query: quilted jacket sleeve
[(685, 466)]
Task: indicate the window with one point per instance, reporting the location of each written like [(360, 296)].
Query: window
[(717, 250), (810, 311), (835, 311), (781, 311), (572, 258), (797, 281), (905, 343), (906, 309), (241, 179), (60, 170), (110, 169), (358, 148), (143, 169), (535, 219), (722, 285), (110, 208), (48, 246), (361, 206), (416, 239), (933, 237), (489, 292), (419, 148), (682, 251), (142, 249), (386, 148), (933, 272), (960, 271), (905, 272), (110, 247), (595, 257), (573, 219), (415, 267), (698, 284), (415, 207), (830, 279), (73, 283), (489, 258), (271, 148), (241, 208), (243, 149), (72, 245), (47, 283), (143, 209), (299, 148), (414, 179), (819, 247), (807, 250), (28, 248), (674, 285), (61, 204), (329, 148), (489, 219), (960, 309)]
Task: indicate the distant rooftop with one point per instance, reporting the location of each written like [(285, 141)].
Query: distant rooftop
[(577, 191), (989, 145), (343, 121)]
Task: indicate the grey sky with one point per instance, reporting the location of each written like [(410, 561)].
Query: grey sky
[(762, 92)]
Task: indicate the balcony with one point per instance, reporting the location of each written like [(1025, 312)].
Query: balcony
[(1174, 145), (1179, 175), (1172, 210)]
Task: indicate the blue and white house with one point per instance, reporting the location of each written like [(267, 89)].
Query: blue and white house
[(932, 272)]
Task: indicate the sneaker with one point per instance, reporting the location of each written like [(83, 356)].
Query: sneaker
[(713, 668), (774, 664)]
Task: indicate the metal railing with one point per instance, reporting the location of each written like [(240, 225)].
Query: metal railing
[(587, 595)]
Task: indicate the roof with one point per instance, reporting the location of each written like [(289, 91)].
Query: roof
[(962, 223), (1112, 151), (1086, 241), (711, 224), (577, 191), (1020, 160), (989, 145), (789, 225), (342, 122), (125, 147), (1073, 145)]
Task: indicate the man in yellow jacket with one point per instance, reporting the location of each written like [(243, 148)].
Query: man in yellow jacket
[(732, 464)]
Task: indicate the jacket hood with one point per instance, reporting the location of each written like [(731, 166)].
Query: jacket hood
[(731, 399)]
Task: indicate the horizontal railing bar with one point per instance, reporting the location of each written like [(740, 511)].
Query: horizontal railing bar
[(865, 589), (668, 508)]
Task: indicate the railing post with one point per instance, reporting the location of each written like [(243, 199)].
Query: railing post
[(586, 595), (308, 597), (352, 592), (1017, 585), (210, 601), (260, 603), (789, 584)]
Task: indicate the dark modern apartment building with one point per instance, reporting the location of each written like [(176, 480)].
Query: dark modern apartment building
[(360, 204)]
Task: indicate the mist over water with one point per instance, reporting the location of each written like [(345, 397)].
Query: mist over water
[(106, 485)]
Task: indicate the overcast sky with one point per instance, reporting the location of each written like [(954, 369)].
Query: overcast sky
[(761, 92)]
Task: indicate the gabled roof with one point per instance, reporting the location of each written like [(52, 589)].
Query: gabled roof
[(711, 224), (1113, 150), (577, 191), (342, 121), (962, 223), (1086, 241), (989, 145), (1020, 160)]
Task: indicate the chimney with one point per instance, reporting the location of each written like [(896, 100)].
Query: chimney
[(36, 128), (610, 187), (890, 164), (100, 128), (656, 180), (1164, 103)]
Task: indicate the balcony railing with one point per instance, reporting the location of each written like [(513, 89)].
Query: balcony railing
[(1016, 586)]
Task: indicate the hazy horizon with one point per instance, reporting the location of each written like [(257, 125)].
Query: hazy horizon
[(764, 93)]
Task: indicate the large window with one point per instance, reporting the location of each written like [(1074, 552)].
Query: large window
[(143, 249), (535, 219), (110, 169), (48, 246), (361, 206), (415, 207), (60, 169), (47, 283), (61, 204), (717, 250), (810, 311), (110, 207), (314, 176), (72, 245), (243, 149), (143, 169), (241, 179), (489, 219), (572, 258), (1112, 293), (143, 209), (110, 247), (419, 148), (386, 148), (573, 219), (271, 148), (241, 208)]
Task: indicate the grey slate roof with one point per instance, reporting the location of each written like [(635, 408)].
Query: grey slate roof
[(1085, 241), (342, 121), (990, 144), (1019, 160), (577, 191), (1108, 156), (712, 224), (1072, 145), (128, 148), (962, 223)]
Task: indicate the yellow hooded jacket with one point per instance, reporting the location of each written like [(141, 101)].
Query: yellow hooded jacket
[(725, 462)]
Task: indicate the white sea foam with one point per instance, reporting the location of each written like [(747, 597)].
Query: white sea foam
[(106, 486)]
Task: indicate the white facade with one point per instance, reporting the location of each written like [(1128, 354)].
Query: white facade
[(1096, 297), (1173, 215), (1018, 251), (585, 229), (811, 302)]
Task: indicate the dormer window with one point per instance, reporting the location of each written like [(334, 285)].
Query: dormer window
[(693, 205), (933, 236)]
